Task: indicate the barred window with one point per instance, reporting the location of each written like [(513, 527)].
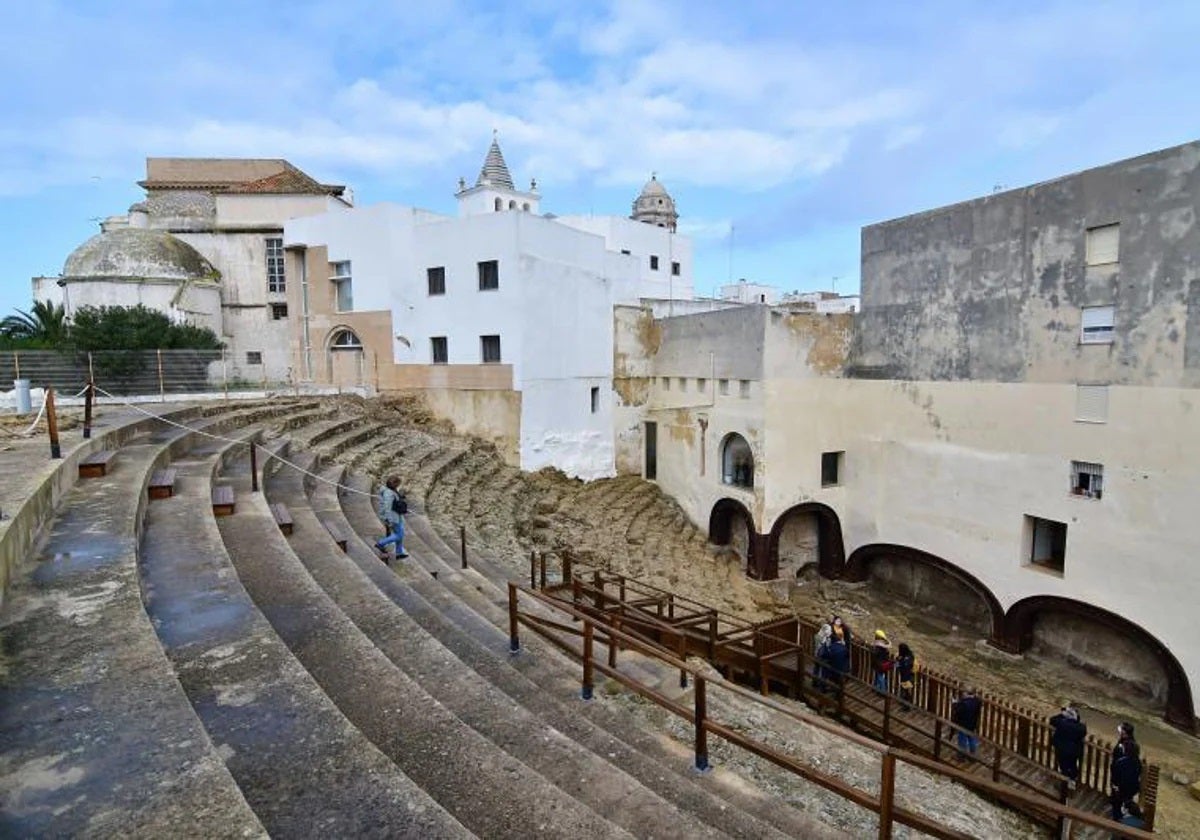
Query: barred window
[(276, 282), (1087, 479)]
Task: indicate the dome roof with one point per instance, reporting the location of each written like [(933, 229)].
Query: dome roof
[(138, 252), (654, 206), (654, 188)]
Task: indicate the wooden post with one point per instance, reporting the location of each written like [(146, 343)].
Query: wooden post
[(566, 568), (52, 424), (887, 716), (887, 794), (162, 388), (701, 731), (612, 642), (533, 569), (462, 543), (91, 369), (712, 635), (598, 587), (253, 468), (671, 606), (588, 632), (87, 409), (681, 650), (542, 570), (621, 582), (514, 641)]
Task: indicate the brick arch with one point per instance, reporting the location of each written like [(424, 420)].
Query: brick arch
[(720, 530), (831, 550), (860, 561), (1018, 636)]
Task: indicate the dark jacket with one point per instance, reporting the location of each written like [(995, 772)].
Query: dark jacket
[(904, 667), (1068, 736), (837, 654), (881, 653), (965, 712), (1126, 771)]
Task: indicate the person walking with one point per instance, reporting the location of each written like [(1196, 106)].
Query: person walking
[(391, 510), (1125, 773), (881, 661), (1068, 733), (906, 669), (964, 714)]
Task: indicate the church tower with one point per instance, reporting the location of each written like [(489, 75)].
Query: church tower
[(494, 191), (655, 206)]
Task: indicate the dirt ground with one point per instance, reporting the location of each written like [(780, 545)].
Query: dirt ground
[(628, 525)]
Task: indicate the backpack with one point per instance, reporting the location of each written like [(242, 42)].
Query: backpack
[(399, 505)]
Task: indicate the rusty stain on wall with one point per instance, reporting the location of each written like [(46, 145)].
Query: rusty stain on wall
[(682, 427), (831, 336), (632, 390), (649, 333)]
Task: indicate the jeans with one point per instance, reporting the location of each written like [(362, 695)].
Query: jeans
[(967, 741), (396, 536), (880, 682)]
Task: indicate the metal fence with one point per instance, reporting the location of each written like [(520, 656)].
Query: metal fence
[(133, 372)]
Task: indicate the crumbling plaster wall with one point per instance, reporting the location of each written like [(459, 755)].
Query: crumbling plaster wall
[(992, 289)]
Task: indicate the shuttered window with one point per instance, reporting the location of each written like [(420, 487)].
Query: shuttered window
[(1103, 244), (1091, 403), (1097, 325)]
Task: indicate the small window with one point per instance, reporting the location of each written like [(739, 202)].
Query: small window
[(626, 251), (499, 205), (489, 275), (666, 383), (682, 384), (489, 349), (1091, 403), (595, 400), (1103, 244), (831, 468), (1046, 543), (675, 268), (744, 389), (525, 206), (438, 349), (436, 278), (1087, 479), (653, 262), (278, 311), (723, 387), (276, 280), (1097, 325), (345, 295), (345, 339), (341, 269), (254, 357), (737, 462), (701, 385)]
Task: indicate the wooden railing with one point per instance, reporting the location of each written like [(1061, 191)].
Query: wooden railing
[(579, 638)]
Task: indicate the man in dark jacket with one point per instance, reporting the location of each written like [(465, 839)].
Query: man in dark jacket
[(1125, 774), (964, 713), (1067, 740)]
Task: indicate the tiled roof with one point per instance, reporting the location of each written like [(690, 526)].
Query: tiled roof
[(495, 170), (233, 175)]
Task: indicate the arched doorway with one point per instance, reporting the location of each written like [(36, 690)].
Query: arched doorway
[(737, 462), (923, 578), (1106, 643), (803, 535), (345, 357), (732, 525)]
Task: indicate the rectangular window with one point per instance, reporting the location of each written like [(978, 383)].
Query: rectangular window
[(254, 357), (1046, 543), (723, 387), (1097, 325), (489, 275), (437, 280), (276, 282), (1091, 403), (831, 468), (675, 268), (345, 290), (653, 262), (595, 400), (682, 384), (701, 385), (489, 348), (438, 349), (666, 383), (1087, 479), (626, 251), (744, 389), (278, 311), (1103, 244)]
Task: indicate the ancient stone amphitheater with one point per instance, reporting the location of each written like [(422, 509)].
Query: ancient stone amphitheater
[(169, 672)]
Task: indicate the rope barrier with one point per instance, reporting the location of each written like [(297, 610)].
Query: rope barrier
[(194, 430), (42, 411)]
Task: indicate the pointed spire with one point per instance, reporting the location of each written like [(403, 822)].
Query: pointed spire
[(495, 170)]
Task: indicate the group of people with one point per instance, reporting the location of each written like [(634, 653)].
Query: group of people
[(832, 646)]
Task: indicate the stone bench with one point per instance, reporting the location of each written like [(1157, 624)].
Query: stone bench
[(222, 500), (162, 484), (96, 464), (283, 518), (336, 533)]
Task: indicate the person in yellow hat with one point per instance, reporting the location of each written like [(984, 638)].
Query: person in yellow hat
[(881, 661)]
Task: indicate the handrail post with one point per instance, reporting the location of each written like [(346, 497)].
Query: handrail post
[(52, 424), (682, 652), (612, 641), (621, 583), (462, 544), (712, 635), (533, 569), (253, 468), (542, 570), (567, 577), (514, 641), (588, 632), (88, 398), (701, 719), (887, 794)]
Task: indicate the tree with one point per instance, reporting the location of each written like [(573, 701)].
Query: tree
[(135, 328), (44, 326)]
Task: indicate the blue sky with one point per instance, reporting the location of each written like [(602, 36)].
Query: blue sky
[(794, 123)]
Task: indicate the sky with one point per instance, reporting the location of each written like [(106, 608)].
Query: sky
[(780, 128)]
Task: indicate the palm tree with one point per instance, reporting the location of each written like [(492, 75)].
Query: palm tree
[(45, 324)]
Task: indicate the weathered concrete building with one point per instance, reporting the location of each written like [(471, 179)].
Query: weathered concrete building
[(1007, 430)]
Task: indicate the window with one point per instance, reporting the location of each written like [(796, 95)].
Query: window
[(723, 387), (1091, 403), (744, 389), (489, 348), (737, 462), (438, 349), (1087, 479), (831, 468), (254, 357), (345, 339), (666, 382), (436, 277), (276, 282), (345, 291), (525, 206), (675, 268), (682, 384), (701, 385), (595, 400), (653, 262), (278, 311), (1046, 543), (489, 275), (1103, 244), (498, 204), (1097, 325), (626, 251)]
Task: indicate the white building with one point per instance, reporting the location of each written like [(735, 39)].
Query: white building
[(496, 299)]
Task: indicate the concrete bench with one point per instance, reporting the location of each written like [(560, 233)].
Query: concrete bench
[(283, 517), (162, 484), (222, 500), (96, 464), (338, 535)]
